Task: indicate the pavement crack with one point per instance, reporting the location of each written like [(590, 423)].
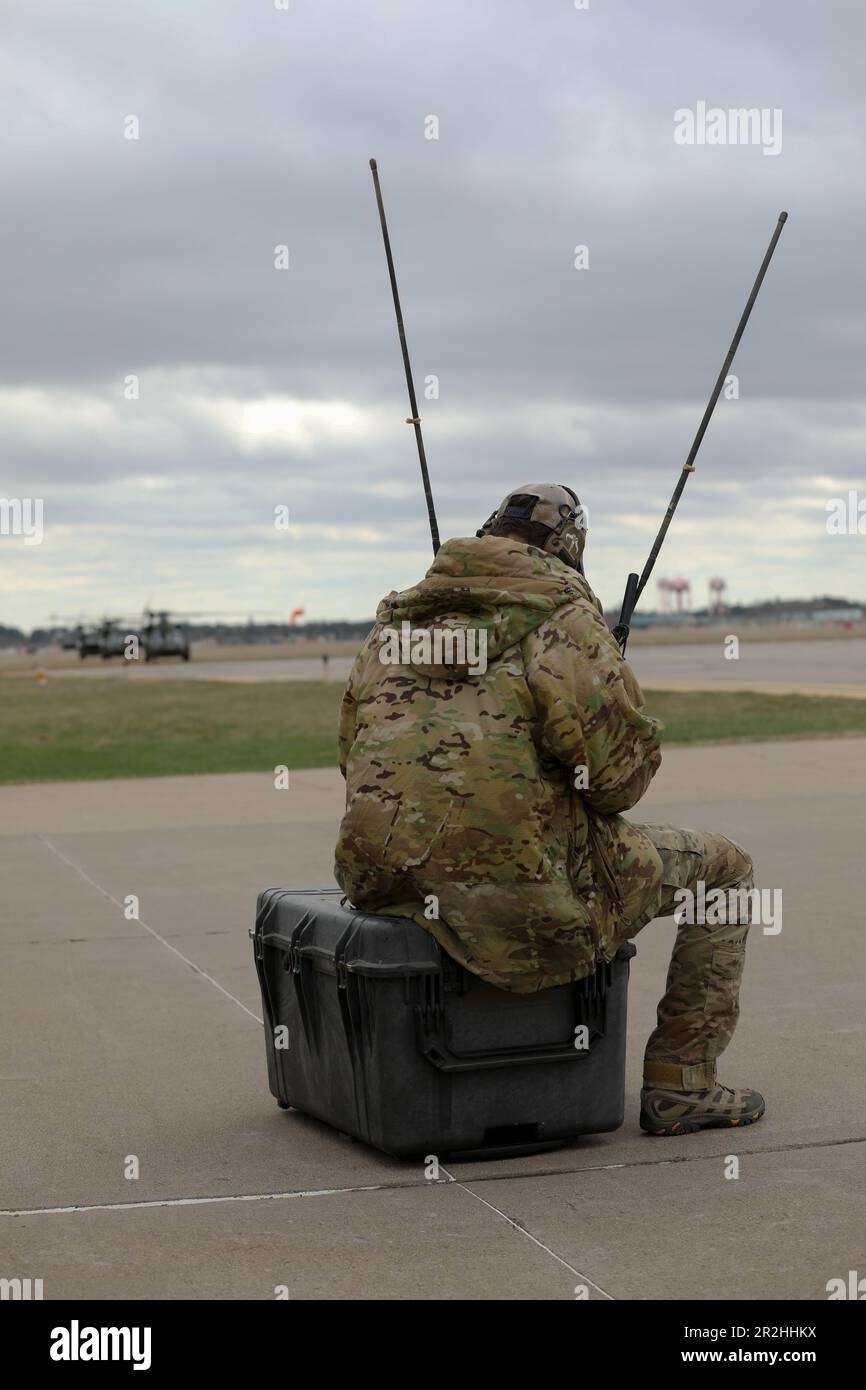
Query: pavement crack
[(449, 1180), (523, 1230), (661, 1162), (151, 931)]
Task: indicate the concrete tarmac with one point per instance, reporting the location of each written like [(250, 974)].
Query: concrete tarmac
[(828, 667), (136, 1046)]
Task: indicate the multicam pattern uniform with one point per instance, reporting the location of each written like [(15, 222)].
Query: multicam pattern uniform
[(699, 1010), (461, 789)]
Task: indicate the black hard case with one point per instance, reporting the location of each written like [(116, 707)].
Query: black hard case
[(392, 1042)]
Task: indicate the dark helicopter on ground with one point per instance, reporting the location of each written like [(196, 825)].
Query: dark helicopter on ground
[(155, 634), (105, 639), (160, 636)]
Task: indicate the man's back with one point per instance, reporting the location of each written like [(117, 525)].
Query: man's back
[(490, 735)]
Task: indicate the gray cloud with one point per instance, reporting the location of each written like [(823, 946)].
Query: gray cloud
[(155, 257)]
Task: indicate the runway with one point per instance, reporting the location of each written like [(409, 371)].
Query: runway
[(827, 667), (140, 1039)]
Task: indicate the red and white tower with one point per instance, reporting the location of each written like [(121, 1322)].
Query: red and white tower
[(717, 589), (683, 590)]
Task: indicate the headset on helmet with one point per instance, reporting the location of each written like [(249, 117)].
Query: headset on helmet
[(552, 506)]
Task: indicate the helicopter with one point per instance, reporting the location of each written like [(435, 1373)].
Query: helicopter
[(106, 638), (158, 633), (162, 637)]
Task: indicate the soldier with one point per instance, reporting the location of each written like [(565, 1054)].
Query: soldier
[(491, 737)]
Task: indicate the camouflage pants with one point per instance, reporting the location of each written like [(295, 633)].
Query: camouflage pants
[(698, 1012)]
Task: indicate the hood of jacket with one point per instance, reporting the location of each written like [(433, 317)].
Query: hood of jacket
[(480, 596)]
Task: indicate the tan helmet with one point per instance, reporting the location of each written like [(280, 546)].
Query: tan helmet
[(552, 506)]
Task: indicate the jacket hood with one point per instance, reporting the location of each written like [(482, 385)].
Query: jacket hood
[(480, 596)]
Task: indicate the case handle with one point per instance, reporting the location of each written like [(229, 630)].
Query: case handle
[(437, 1051)]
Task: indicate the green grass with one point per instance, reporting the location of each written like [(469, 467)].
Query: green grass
[(726, 716), (72, 729), (69, 730)]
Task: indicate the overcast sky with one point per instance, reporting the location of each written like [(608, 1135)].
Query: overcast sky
[(262, 387)]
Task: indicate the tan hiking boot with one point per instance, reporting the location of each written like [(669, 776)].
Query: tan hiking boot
[(664, 1111)]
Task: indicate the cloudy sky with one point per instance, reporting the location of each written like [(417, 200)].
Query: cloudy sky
[(154, 258)]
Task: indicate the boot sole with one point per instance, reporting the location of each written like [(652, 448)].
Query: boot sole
[(677, 1127)]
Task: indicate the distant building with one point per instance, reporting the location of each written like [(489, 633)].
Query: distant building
[(796, 610), (837, 615)]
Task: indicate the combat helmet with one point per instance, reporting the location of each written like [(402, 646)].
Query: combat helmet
[(550, 512)]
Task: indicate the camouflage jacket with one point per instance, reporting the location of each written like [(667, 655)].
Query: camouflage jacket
[(486, 803)]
